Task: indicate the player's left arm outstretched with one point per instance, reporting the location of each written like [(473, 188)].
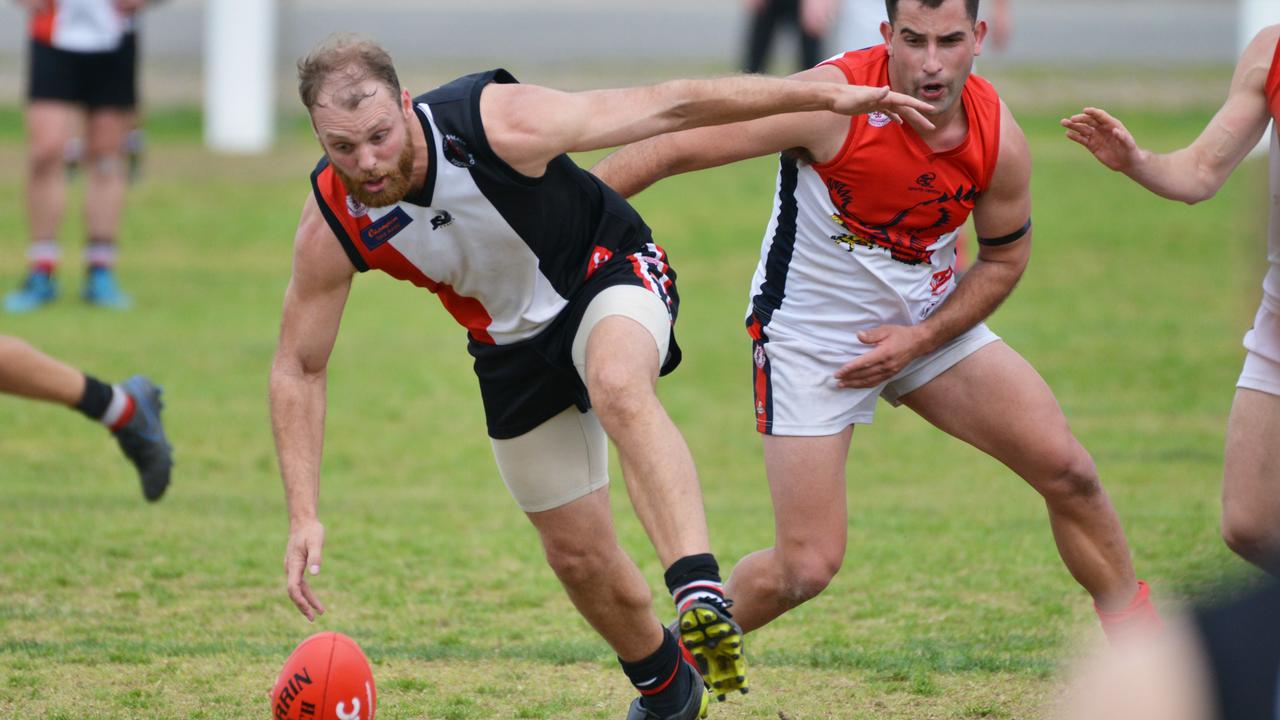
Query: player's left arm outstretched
[(1198, 171), (1002, 218)]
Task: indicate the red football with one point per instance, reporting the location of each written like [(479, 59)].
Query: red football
[(326, 678)]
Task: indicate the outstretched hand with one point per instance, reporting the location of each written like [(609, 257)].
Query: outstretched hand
[(1104, 136), (859, 99), (300, 557)]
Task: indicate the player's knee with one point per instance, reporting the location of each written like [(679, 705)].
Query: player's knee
[(1070, 475), (617, 394), (45, 158), (576, 562), (106, 164), (1250, 535), (809, 575)]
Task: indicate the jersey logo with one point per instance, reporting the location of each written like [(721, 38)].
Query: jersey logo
[(377, 233), (926, 180), (599, 256), (356, 208), (457, 152), (441, 219), (878, 119)]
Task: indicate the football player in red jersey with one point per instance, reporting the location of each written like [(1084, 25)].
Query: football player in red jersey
[(855, 298)]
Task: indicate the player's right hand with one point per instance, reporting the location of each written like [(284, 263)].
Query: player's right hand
[(302, 556), (1104, 136), (858, 99)]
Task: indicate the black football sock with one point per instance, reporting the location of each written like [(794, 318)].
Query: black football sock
[(660, 678), (693, 578)]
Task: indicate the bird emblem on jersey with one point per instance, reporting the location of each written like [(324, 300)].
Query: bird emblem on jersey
[(356, 208), (456, 152)]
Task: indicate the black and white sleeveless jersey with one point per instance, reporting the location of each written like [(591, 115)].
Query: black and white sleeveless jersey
[(503, 251)]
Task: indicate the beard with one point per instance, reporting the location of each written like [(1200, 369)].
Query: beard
[(398, 179)]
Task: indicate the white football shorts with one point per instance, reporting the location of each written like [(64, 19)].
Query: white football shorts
[(1262, 362), (795, 386)]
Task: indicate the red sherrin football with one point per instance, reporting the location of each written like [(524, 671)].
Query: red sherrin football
[(326, 678)]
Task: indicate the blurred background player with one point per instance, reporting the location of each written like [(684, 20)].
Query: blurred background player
[(130, 410), (855, 298), (1251, 471), (809, 18), (82, 77), (1219, 662)]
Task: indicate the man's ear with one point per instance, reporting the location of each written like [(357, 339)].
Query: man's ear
[(980, 34)]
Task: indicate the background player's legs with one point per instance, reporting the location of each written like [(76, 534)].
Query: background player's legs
[(764, 21), (1251, 479), (807, 482), (106, 178), (30, 373), (50, 125), (995, 401), (621, 374), (105, 135)]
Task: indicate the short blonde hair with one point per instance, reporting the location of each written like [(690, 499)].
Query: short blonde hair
[(356, 56)]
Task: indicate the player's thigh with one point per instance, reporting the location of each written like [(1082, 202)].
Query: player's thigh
[(1251, 471), (994, 400), (556, 463), (807, 484), (626, 329)]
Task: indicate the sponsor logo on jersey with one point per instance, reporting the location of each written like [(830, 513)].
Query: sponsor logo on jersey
[(457, 152), (441, 219), (926, 180), (878, 119), (356, 208), (758, 355), (378, 232)]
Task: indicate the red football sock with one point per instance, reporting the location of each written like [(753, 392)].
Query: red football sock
[(1139, 616)]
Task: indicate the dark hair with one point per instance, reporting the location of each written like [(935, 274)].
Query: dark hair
[(355, 56), (970, 7)]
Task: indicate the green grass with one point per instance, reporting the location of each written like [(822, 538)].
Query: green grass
[(952, 602)]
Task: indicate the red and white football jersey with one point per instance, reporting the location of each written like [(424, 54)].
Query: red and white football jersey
[(869, 237)]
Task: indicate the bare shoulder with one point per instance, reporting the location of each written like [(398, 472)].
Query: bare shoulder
[(1255, 61), (317, 253), (1014, 161)]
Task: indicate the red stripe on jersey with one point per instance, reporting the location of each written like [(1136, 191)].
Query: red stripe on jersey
[(466, 310), (1273, 84), (760, 376), (335, 195), (42, 26)]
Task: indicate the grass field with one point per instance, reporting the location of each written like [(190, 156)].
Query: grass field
[(952, 602)]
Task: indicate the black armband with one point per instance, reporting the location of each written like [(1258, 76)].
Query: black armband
[(1006, 239)]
